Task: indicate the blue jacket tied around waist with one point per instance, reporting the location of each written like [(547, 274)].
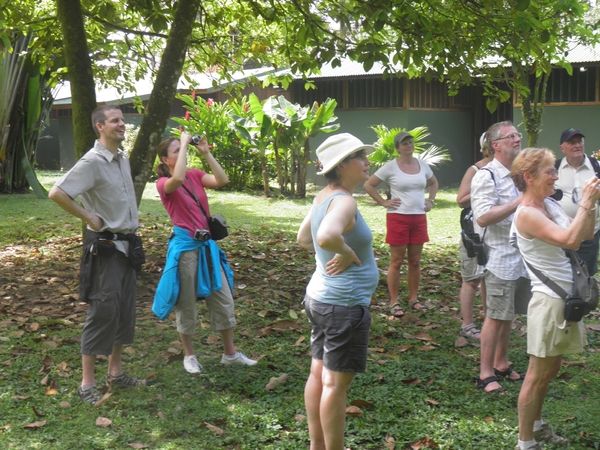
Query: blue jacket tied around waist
[(167, 290)]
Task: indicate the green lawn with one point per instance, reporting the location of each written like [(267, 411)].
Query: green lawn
[(418, 389)]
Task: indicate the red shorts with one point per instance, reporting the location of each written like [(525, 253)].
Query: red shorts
[(405, 229)]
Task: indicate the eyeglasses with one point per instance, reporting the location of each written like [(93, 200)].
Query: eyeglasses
[(512, 137), (359, 155), (575, 196)]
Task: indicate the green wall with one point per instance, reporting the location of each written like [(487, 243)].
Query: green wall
[(448, 129), (556, 119)]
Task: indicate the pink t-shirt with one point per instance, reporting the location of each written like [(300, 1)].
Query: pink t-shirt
[(181, 206)]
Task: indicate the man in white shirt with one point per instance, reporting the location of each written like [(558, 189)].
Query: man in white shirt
[(494, 199), (573, 171)]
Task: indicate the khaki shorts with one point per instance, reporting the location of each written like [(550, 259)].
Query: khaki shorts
[(220, 303), (506, 298), (544, 338), (468, 266)]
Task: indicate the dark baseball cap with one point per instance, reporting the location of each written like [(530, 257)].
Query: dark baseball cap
[(569, 133), (400, 137)]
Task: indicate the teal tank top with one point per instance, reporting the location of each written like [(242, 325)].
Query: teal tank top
[(356, 284)]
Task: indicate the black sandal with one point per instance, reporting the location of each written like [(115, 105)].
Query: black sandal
[(481, 384), (506, 374)]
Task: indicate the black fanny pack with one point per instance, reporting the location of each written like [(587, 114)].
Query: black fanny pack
[(104, 247)]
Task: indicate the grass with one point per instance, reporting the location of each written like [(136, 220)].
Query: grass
[(415, 392)]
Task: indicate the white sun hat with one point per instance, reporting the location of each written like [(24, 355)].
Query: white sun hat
[(337, 148)]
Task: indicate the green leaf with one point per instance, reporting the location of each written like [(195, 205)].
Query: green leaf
[(522, 5)]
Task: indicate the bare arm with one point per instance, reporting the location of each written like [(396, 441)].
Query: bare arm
[(463, 198), (370, 188), (304, 237), (340, 218), (218, 177), (63, 200), (180, 169), (432, 185)]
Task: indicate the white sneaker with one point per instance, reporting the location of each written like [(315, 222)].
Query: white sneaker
[(239, 359), (191, 364)]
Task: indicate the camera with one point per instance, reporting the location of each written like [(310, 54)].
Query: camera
[(202, 235), (196, 140), (558, 195), (475, 247)]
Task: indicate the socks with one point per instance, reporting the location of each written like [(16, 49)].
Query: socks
[(538, 424), (525, 445)]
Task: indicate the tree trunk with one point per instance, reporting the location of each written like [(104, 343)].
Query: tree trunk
[(303, 170), (265, 173), (81, 76), (278, 165), (159, 105)]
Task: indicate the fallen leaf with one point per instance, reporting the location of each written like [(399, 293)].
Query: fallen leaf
[(422, 336), (214, 429), (130, 351), (565, 376), (285, 325), (32, 327), (20, 397), (5, 427), (276, 381), (299, 417), (426, 348), (361, 403), (404, 348), (17, 333), (103, 422), (567, 419), (390, 442), (412, 381), (593, 326), (431, 402), (300, 340), (44, 381), (213, 339), (37, 413), (137, 445), (353, 411), (103, 400), (64, 404), (461, 341), (489, 420), (424, 443), (7, 363), (52, 388), (377, 349), (293, 314), (35, 424)]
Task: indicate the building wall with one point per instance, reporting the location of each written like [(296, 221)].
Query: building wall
[(558, 118), (450, 129)]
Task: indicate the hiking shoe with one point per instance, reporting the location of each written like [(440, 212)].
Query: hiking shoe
[(124, 380), (238, 359), (90, 395), (191, 364), (547, 434)]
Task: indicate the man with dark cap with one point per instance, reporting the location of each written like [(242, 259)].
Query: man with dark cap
[(573, 171)]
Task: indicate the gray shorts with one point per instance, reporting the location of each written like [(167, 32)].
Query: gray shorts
[(111, 315), (220, 303), (506, 298), (339, 336), (468, 266)]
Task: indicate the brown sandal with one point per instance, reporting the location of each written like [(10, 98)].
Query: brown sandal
[(396, 311), (417, 306)]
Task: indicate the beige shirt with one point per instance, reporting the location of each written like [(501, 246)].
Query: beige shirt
[(104, 184), (570, 182)]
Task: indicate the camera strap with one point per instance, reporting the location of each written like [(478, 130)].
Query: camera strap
[(194, 196)]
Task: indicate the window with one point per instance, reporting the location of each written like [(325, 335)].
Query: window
[(577, 88)]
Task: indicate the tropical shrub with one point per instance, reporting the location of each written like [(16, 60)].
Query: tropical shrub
[(212, 119), (385, 151)]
